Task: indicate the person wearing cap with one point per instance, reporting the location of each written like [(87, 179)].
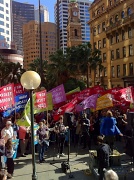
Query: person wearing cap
[(7, 132)]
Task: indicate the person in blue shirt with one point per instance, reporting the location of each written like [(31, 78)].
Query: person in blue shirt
[(109, 129)]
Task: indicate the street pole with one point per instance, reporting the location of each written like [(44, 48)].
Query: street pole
[(41, 64), (34, 175)]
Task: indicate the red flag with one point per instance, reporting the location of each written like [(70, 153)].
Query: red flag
[(6, 97), (41, 100), (18, 89)]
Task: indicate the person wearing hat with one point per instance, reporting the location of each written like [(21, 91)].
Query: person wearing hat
[(103, 154), (7, 132)]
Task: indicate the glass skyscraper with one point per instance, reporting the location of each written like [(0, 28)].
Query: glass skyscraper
[(22, 13)]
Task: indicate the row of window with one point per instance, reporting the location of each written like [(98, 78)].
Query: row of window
[(118, 68), (125, 49), (118, 71)]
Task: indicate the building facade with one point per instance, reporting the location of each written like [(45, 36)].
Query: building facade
[(61, 20), (74, 35), (44, 14), (22, 13), (31, 41), (5, 24), (112, 31)]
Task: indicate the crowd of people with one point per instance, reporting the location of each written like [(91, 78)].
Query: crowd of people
[(100, 128)]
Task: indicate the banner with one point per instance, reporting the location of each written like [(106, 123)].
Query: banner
[(40, 99), (104, 101), (20, 101), (36, 127), (89, 102), (58, 94), (18, 89), (73, 91), (6, 97)]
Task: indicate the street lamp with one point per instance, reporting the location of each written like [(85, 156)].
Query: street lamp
[(31, 80)]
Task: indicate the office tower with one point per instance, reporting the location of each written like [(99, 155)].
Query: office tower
[(21, 14), (5, 24), (31, 41), (44, 14), (61, 19), (112, 31)]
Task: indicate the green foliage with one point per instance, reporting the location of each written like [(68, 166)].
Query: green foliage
[(73, 83)]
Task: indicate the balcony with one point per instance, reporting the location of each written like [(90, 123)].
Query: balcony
[(120, 23)]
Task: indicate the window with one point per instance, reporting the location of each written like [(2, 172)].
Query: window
[(117, 54), (104, 57), (105, 71), (99, 44), (118, 71), (124, 69), (111, 39), (95, 45), (130, 50), (75, 32), (117, 37), (6, 4), (112, 72), (130, 69), (1, 1), (2, 30), (129, 11), (122, 14), (112, 54), (94, 31), (123, 35), (98, 29), (124, 51), (116, 18), (104, 42), (129, 32), (7, 32), (7, 25), (1, 16), (103, 26), (111, 21), (7, 18), (1, 8), (7, 38), (1, 23), (7, 12)]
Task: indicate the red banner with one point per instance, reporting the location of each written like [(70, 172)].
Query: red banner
[(18, 89), (41, 99), (6, 97)]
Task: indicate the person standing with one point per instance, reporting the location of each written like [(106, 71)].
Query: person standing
[(85, 132), (60, 130), (103, 153), (9, 154), (7, 132), (42, 134)]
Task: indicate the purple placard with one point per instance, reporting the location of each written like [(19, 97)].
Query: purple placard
[(58, 94)]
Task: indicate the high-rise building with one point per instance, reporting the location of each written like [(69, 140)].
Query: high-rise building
[(61, 19), (44, 14), (112, 31), (21, 14), (31, 41), (5, 24)]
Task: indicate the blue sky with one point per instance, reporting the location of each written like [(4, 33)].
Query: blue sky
[(48, 3)]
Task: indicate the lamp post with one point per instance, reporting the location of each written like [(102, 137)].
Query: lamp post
[(31, 80)]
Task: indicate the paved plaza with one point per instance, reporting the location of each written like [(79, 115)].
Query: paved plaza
[(51, 169)]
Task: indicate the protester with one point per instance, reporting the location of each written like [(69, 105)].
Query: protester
[(23, 140), (7, 132), (9, 154), (60, 129), (2, 153), (111, 175), (103, 153), (42, 133), (109, 129), (85, 132)]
